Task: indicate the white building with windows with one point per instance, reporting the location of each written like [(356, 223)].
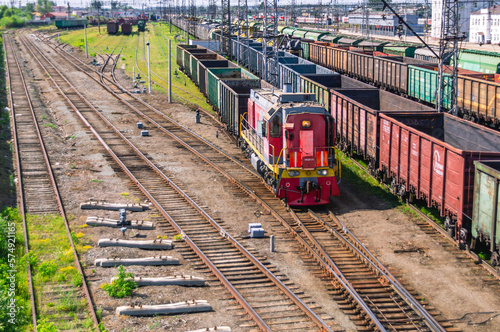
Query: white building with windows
[(465, 8), (485, 25)]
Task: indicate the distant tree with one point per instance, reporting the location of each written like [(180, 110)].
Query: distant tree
[(114, 5), (44, 6), (96, 4), (29, 8)]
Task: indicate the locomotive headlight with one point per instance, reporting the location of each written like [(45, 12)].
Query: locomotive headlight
[(306, 124), (293, 173), (322, 172)]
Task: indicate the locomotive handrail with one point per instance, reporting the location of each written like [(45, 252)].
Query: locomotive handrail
[(279, 156)]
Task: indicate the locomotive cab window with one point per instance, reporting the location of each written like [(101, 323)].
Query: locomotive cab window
[(275, 125)]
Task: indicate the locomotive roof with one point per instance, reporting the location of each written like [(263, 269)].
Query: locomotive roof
[(295, 108), (266, 98)]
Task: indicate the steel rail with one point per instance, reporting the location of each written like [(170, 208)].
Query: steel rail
[(57, 195), (233, 180), (336, 273), (316, 319), (488, 268), (21, 191), (115, 82), (159, 126), (401, 291), (381, 269)]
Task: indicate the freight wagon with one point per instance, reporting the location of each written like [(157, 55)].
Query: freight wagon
[(71, 24), (141, 25), (357, 116), (126, 28), (485, 228), (113, 27), (430, 156)]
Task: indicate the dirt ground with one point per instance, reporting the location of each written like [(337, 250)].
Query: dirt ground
[(84, 171)]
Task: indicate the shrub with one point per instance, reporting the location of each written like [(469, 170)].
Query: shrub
[(122, 286), (45, 326), (47, 269)]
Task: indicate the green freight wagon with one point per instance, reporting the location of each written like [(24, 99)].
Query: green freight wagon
[(401, 50), (304, 45), (300, 33), (422, 84), (486, 209), (288, 30), (316, 35), (71, 24), (141, 25), (234, 94), (181, 49), (481, 61), (215, 75)]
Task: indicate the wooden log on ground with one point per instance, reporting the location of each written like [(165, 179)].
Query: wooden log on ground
[(149, 261), (95, 205), (171, 280), (132, 224), (156, 244), (165, 309), (214, 329)]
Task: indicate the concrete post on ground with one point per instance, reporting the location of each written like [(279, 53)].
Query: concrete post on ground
[(149, 68), (271, 243), (133, 74), (86, 48), (169, 71)]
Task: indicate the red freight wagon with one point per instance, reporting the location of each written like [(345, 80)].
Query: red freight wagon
[(356, 115), (430, 156)]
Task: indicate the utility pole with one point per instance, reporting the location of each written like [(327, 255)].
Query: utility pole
[(212, 9), (270, 74), (149, 68), (192, 20), (238, 36), (293, 12), (366, 19), (448, 52), (86, 48), (226, 27), (169, 71)]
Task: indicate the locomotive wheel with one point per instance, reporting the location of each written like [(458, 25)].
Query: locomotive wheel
[(411, 198), (473, 244), (495, 259), (451, 231)]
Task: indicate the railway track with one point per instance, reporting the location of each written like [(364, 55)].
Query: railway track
[(433, 229), (248, 181), (268, 300), (40, 195)]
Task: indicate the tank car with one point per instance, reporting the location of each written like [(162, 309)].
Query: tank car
[(290, 139)]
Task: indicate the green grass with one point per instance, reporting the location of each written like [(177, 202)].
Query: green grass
[(50, 125), (157, 34), (365, 183), (55, 263)]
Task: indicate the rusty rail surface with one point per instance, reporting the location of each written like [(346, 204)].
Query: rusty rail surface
[(57, 195), (437, 229), (321, 258), (252, 192), (306, 310)]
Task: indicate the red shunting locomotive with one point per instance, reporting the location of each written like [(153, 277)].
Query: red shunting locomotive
[(290, 140)]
